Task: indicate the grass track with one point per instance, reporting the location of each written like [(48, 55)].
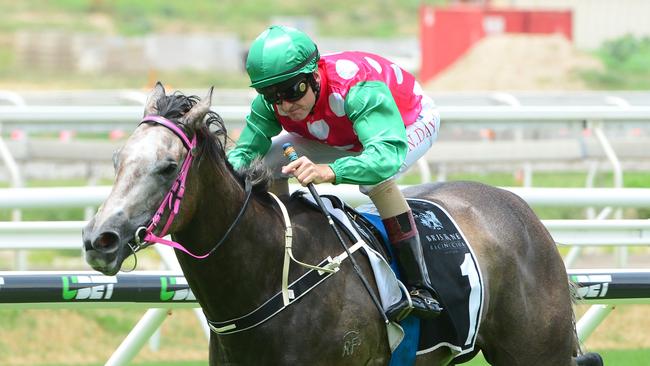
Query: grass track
[(633, 357), (620, 357)]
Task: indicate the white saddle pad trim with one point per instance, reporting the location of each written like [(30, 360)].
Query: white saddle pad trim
[(390, 288)]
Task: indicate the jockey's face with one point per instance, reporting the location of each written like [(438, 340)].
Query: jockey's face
[(300, 109)]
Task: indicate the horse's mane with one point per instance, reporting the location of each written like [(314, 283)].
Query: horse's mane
[(212, 138)]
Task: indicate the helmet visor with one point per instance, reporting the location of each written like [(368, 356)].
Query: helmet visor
[(290, 90)]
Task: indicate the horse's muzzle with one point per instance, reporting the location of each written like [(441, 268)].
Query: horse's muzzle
[(106, 242), (102, 248), (103, 240)]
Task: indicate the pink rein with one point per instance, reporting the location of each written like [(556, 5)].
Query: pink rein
[(173, 198)]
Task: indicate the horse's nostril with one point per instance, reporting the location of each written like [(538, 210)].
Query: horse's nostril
[(106, 241), (87, 244)]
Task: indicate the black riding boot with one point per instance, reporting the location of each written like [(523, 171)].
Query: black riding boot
[(408, 253)]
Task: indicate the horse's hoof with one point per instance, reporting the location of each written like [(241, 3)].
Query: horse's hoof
[(589, 359)]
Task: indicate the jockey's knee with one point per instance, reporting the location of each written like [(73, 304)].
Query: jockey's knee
[(388, 199)]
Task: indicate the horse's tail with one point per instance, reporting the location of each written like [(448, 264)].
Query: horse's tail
[(575, 296), (581, 358)]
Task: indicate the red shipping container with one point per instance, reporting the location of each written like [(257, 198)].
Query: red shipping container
[(550, 22), (446, 34), (514, 21)]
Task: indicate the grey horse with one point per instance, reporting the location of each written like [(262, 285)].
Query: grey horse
[(527, 319)]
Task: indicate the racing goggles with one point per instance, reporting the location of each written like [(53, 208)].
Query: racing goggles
[(290, 90)]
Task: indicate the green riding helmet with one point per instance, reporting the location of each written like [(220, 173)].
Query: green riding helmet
[(278, 54)]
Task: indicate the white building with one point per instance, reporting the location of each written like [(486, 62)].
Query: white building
[(595, 21)]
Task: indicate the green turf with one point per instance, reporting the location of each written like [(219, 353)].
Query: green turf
[(619, 357), (632, 357)]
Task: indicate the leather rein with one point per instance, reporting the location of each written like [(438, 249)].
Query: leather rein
[(174, 196)]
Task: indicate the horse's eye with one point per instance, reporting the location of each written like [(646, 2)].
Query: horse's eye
[(168, 168)]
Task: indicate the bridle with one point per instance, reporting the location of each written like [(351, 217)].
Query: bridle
[(173, 198)]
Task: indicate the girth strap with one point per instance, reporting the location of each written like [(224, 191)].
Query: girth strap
[(273, 306), (288, 255)]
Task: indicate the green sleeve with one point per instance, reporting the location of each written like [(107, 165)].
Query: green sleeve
[(380, 129), (255, 138)]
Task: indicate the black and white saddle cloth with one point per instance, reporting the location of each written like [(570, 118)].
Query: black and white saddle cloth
[(455, 274), (453, 270)]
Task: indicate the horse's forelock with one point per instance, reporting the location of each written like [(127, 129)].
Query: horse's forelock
[(211, 135), (176, 105)]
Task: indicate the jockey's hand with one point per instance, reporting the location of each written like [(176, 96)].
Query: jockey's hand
[(307, 172)]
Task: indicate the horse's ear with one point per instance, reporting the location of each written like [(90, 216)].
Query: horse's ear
[(157, 93), (196, 115)]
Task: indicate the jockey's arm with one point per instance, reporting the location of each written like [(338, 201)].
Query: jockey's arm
[(380, 129), (255, 138)]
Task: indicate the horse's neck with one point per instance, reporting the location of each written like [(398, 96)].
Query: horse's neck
[(218, 198), (245, 268)]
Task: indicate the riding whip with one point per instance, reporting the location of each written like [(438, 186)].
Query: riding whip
[(291, 154)]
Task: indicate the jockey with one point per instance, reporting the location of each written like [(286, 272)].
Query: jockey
[(357, 118)]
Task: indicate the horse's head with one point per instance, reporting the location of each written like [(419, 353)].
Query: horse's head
[(146, 167)]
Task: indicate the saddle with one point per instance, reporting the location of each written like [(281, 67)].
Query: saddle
[(368, 230), (452, 267)]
